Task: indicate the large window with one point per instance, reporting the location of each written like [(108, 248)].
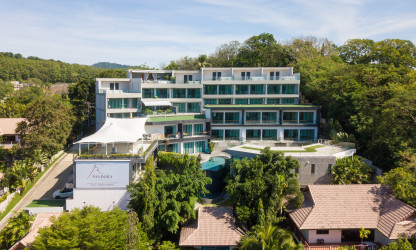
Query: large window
[(210, 101), (180, 107), (288, 100), (273, 100), (270, 134), (290, 117), (170, 131), (198, 129), (217, 117), (148, 93), (172, 148), (188, 147), (194, 93), (305, 117), (224, 101), (256, 89), (210, 89), (232, 134), (253, 134), (253, 117), (187, 130), (225, 89), (135, 103), (241, 89), (216, 75), (194, 107), (162, 93), (232, 117), (241, 101), (289, 89), (115, 103), (125, 103), (199, 146), (291, 134), (256, 101), (269, 117), (178, 93), (273, 89), (307, 134), (217, 134)]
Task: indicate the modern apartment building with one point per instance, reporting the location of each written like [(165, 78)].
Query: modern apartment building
[(191, 107)]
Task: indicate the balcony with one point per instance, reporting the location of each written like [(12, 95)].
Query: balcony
[(173, 81), (294, 77), (118, 91)]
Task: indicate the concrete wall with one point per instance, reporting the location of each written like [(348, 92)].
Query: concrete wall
[(105, 199), (334, 236), (35, 210), (379, 237)]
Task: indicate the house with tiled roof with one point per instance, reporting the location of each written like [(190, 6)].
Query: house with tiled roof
[(214, 228), (336, 213), (8, 131)]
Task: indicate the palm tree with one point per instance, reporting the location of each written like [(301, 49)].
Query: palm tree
[(39, 158), (269, 237)]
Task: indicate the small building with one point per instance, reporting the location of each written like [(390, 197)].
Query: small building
[(334, 214), (8, 133), (214, 228), (315, 160)]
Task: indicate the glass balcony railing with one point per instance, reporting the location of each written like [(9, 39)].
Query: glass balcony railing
[(118, 91), (255, 78)]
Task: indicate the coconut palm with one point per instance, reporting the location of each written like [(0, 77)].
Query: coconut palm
[(269, 237), (39, 158)]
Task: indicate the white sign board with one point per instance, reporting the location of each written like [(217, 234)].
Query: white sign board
[(102, 174)]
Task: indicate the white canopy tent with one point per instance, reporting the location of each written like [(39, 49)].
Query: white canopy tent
[(117, 130)]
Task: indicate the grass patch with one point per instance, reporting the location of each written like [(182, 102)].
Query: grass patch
[(307, 150), (47, 203), (18, 197), (225, 203)]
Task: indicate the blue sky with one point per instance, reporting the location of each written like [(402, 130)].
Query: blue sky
[(154, 32)]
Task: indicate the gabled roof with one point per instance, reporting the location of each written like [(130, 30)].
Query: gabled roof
[(8, 125), (370, 206), (214, 227)]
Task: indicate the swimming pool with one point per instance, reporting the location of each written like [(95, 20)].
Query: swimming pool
[(214, 163)]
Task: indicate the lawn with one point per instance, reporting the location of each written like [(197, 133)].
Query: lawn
[(47, 203), (307, 150), (29, 186)]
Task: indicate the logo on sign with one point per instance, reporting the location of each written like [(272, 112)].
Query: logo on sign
[(96, 173)]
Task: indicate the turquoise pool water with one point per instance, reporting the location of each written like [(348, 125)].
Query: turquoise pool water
[(214, 163)]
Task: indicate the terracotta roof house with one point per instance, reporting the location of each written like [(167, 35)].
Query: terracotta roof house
[(335, 214), (8, 131), (214, 228)]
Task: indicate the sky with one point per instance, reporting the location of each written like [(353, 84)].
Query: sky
[(136, 32)]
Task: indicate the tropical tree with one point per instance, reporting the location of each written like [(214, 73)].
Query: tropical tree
[(364, 234), (48, 124), (135, 238), (270, 178), (38, 159), (351, 170), (17, 227), (401, 244), (89, 228), (269, 237)]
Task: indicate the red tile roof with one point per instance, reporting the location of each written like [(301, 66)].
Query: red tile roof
[(214, 227), (370, 206)]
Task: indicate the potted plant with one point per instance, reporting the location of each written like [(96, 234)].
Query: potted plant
[(211, 146)]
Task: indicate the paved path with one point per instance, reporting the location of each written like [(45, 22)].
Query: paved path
[(56, 177)]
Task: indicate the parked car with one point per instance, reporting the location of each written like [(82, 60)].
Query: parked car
[(64, 192)]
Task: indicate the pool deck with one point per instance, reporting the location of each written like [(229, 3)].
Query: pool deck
[(205, 157)]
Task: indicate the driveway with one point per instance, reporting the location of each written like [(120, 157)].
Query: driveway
[(56, 177)]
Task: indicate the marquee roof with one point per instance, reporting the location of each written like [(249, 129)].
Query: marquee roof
[(118, 130)]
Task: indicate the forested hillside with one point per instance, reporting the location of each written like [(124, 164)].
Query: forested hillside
[(108, 65), (367, 89)]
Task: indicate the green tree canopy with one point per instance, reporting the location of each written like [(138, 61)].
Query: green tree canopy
[(268, 178), (351, 170), (165, 197), (17, 227), (48, 124), (89, 228), (269, 237)]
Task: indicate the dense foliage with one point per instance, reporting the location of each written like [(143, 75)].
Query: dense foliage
[(269, 237), (89, 228), (351, 170), (264, 183), (17, 227), (401, 244), (403, 179), (48, 124), (166, 197)]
